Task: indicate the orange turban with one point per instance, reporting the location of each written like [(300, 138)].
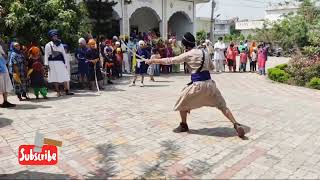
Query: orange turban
[(34, 51), (92, 42)]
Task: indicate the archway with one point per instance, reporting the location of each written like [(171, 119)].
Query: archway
[(145, 19), (178, 24)]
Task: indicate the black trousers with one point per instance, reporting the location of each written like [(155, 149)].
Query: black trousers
[(253, 66)]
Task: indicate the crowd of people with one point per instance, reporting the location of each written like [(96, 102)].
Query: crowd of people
[(250, 53), (100, 58)]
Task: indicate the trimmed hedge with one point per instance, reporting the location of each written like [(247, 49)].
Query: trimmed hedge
[(282, 66), (278, 75), (314, 83)]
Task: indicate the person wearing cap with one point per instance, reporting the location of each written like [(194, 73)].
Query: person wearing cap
[(18, 66), (55, 59), (141, 67), (36, 72), (93, 58), (202, 90), (5, 82), (82, 61)]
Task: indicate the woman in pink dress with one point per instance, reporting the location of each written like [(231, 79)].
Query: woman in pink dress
[(262, 58)]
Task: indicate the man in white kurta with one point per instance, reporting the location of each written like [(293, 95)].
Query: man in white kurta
[(55, 58), (219, 56)]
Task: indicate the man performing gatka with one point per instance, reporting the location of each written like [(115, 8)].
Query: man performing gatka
[(202, 91)]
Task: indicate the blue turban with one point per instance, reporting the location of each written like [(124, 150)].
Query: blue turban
[(53, 32)]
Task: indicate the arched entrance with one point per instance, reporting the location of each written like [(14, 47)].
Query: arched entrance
[(178, 24), (145, 19)]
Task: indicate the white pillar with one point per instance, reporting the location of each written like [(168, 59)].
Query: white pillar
[(125, 20), (194, 19), (164, 22)]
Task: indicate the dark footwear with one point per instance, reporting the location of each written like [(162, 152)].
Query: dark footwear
[(6, 104), (19, 97), (45, 97), (240, 130), (25, 96), (37, 97), (68, 93), (110, 82), (183, 127)]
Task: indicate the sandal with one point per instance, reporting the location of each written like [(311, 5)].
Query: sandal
[(240, 130)]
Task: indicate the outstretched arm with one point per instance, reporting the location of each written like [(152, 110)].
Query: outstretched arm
[(167, 61)]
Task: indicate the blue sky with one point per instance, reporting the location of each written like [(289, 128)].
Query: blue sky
[(244, 9)]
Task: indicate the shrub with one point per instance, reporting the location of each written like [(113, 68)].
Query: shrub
[(278, 75), (303, 69), (314, 83), (282, 66)]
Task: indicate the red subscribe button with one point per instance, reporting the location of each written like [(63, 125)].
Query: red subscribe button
[(48, 155)]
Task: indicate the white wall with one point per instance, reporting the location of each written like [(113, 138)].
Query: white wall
[(174, 6), (277, 14)]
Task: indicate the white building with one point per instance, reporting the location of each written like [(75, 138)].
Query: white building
[(165, 16), (221, 27), (249, 27), (277, 11)]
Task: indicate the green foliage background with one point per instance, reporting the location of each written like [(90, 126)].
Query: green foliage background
[(299, 32), (30, 20)]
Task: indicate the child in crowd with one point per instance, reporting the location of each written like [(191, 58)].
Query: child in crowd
[(152, 67), (254, 58), (243, 60), (141, 67), (119, 60), (108, 63), (36, 73)]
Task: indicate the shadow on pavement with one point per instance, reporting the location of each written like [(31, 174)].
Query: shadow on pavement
[(35, 175), (29, 106), (169, 153), (107, 163), (5, 122), (112, 88), (218, 132), (154, 85), (164, 81)]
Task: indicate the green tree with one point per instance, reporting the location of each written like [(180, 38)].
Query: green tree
[(201, 35), (295, 31), (30, 20), (250, 37), (101, 13)]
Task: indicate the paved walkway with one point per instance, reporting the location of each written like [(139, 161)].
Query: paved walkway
[(127, 132)]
